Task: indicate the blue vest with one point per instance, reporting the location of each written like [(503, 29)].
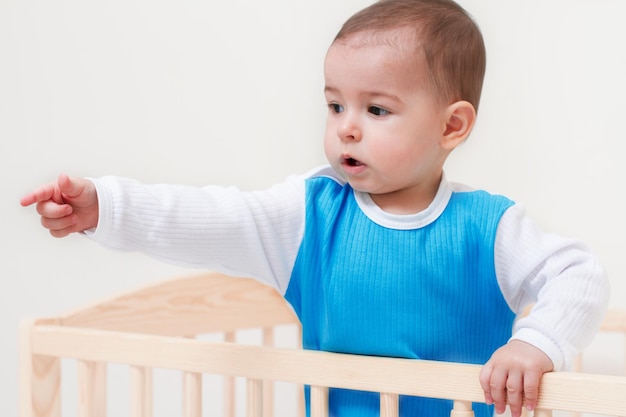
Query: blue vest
[(427, 293)]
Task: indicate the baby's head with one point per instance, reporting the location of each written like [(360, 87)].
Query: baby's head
[(402, 82), (445, 38)]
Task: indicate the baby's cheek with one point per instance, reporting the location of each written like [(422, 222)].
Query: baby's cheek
[(332, 152)]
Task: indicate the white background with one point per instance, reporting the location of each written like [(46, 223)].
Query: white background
[(230, 93)]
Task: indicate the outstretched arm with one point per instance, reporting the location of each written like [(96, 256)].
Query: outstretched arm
[(253, 234), (66, 206)]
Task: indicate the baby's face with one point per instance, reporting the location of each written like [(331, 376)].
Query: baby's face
[(384, 124)]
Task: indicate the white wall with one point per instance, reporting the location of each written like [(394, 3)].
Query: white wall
[(231, 93)]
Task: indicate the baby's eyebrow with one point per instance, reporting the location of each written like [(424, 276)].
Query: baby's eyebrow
[(369, 94), (383, 94), (330, 89)]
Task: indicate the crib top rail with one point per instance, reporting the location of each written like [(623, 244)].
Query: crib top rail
[(577, 392)]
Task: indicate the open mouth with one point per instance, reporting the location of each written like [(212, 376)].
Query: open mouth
[(352, 162)]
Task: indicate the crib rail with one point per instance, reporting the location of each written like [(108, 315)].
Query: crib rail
[(99, 335), (585, 393)]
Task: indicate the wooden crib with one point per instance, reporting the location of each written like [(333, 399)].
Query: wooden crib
[(161, 326)]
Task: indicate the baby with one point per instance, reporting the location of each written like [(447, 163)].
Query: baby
[(378, 253)]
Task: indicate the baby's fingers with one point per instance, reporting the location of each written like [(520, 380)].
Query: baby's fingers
[(59, 219), (531, 389), (59, 227), (63, 232), (497, 387), (515, 392), (43, 193), (48, 209), (485, 381), (493, 382)]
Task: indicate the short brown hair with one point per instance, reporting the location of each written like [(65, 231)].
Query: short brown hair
[(450, 40)]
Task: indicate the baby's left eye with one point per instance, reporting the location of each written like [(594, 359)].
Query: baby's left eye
[(377, 111)]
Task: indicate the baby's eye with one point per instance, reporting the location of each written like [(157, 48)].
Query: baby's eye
[(377, 111), (335, 108)]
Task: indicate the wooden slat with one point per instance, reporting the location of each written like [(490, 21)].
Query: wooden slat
[(462, 409), (319, 401), (192, 394), (46, 401), (254, 398), (40, 376), (141, 391), (229, 383), (598, 394), (268, 386), (389, 405), (92, 383)]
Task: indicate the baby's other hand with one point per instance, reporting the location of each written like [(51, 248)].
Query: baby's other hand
[(512, 375), (66, 206)]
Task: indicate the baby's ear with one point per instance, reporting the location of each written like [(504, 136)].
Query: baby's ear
[(460, 118)]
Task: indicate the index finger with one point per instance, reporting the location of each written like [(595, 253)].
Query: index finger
[(41, 194)]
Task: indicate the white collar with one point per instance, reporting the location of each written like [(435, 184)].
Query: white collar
[(406, 221)]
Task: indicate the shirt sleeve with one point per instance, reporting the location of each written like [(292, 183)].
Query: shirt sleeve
[(208, 228), (562, 280)]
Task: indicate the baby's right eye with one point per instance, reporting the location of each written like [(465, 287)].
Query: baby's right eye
[(335, 108)]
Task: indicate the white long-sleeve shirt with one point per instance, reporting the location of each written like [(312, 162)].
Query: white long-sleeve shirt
[(258, 234)]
